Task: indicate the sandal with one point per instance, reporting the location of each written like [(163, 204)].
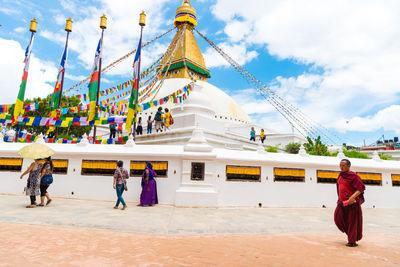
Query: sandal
[(30, 206), (40, 205), (48, 202)]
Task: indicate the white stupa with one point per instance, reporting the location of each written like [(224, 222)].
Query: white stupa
[(224, 122)]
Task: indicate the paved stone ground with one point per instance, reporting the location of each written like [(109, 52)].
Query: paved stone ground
[(169, 220), (91, 233)]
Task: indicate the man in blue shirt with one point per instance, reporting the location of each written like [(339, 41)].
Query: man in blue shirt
[(252, 134)]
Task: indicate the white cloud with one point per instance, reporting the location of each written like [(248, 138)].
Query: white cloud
[(237, 52), (260, 110), (74, 78), (41, 78), (9, 11), (19, 29), (236, 30), (60, 19), (272, 122), (353, 42), (248, 101), (384, 119), (121, 35), (69, 6)]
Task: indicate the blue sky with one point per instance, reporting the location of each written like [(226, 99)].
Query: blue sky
[(336, 60)]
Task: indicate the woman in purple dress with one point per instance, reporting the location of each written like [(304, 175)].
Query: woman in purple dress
[(148, 197)]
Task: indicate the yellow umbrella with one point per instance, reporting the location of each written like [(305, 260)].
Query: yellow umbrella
[(35, 151)]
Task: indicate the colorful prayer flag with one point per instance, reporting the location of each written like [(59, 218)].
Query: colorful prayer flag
[(94, 80), (133, 101), (21, 94), (57, 94), (55, 98)]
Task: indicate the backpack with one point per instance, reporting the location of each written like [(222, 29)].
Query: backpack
[(158, 116), (171, 120)]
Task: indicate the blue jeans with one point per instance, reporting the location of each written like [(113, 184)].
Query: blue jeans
[(120, 189), (149, 130)]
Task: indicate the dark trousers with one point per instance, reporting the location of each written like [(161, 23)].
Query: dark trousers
[(139, 130), (112, 134), (43, 189), (33, 200)]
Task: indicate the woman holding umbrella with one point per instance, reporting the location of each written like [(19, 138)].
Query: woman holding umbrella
[(36, 152), (33, 187)]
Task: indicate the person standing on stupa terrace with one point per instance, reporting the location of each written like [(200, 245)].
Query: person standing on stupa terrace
[(167, 119), (262, 136), (158, 119), (252, 134)]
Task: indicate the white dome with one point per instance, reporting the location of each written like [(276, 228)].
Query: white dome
[(197, 103), (204, 95), (197, 97)]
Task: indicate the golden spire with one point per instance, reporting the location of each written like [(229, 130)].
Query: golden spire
[(191, 53), (185, 13)]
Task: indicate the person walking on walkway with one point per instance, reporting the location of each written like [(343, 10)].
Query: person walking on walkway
[(167, 119), (46, 179), (148, 197), (112, 130), (149, 125), (158, 119), (119, 129), (348, 214), (120, 177), (262, 136), (33, 182), (252, 134), (139, 128)]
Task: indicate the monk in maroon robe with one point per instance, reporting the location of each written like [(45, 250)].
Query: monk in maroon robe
[(348, 214)]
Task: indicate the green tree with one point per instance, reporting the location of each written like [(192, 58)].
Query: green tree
[(44, 110), (316, 147), (293, 148)]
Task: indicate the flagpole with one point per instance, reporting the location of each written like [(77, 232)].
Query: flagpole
[(68, 29), (32, 29), (142, 23), (103, 25)]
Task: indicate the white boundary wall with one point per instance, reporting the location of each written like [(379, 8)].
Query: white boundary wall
[(178, 189)]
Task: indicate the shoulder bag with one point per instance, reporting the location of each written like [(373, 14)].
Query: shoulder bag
[(124, 180)]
